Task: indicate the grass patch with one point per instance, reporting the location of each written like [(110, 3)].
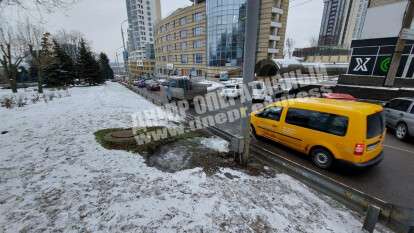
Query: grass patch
[(104, 138)]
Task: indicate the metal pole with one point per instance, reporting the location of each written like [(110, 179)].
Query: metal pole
[(399, 48), (249, 62), (117, 61)]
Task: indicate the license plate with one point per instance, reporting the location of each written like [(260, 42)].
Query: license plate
[(372, 147)]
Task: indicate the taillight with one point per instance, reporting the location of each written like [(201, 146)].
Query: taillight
[(359, 149)]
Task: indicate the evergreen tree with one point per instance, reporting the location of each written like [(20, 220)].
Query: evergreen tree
[(52, 69), (88, 67), (65, 63), (42, 59), (33, 71), (106, 70)]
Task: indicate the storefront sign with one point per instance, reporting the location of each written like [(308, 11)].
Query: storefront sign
[(373, 57)]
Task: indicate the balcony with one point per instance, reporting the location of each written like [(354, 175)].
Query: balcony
[(274, 38), (273, 51), (276, 24), (277, 10)]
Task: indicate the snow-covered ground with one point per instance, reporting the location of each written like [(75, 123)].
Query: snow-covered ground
[(55, 177)]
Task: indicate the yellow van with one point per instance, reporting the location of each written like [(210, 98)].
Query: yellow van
[(326, 129)]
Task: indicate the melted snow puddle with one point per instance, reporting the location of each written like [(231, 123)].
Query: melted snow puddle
[(208, 153)]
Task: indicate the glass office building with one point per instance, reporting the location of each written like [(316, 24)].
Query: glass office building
[(226, 20)]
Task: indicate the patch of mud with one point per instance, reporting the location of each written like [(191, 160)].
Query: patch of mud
[(187, 151), (209, 153)]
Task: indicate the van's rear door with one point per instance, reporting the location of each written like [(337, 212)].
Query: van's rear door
[(375, 135)]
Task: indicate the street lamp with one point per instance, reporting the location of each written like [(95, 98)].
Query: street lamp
[(119, 51), (125, 52)]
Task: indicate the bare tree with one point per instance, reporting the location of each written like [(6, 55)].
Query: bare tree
[(290, 46), (48, 5), (14, 47), (69, 41), (313, 41), (13, 51)]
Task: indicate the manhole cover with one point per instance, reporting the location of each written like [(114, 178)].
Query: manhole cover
[(122, 134)]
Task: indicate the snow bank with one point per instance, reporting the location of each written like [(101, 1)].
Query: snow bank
[(55, 177)]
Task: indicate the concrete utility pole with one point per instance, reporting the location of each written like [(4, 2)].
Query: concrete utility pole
[(249, 62), (399, 48)]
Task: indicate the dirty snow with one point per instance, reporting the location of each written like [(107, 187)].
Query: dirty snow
[(55, 177)]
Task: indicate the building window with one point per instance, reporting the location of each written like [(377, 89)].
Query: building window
[(184, 59), (183, 34), (198, 58), (198, 44), (197, 17), (183, 21), (184, 45), (197, 31)]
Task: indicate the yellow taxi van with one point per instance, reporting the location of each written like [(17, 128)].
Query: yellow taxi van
[(328, 130)]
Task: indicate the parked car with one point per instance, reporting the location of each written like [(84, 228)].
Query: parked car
[(136, 82), (152, 85), (258, 91), (232, 90), (163, 82), (140, 83), (400, 117), (184, 88), (328, 130), (224, 76)]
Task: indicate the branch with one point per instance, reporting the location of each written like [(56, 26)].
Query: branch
[(3, 50), (18, 61)]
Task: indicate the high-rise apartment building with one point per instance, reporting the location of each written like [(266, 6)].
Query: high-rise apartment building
[(208, 37), (342, 21), (354, 22), (333, 20), (374, 3), (142, 17)]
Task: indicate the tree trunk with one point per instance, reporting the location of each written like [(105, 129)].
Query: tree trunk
[(40, 82), (12, 76)]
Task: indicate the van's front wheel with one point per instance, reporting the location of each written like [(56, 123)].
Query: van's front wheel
[(322, 158)]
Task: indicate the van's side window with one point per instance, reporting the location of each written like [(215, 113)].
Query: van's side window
[(324, 122), (272, 113)]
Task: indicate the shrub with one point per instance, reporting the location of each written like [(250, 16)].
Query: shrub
[(44, 98), (51, 96), (35, 98), (21, 101), (8, 102)]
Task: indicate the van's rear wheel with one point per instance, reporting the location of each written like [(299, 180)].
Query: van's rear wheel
[(322, 158)]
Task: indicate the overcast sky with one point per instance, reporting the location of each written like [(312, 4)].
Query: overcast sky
[(100, 21)]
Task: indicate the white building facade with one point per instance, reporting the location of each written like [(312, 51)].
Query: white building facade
[(142, 17)]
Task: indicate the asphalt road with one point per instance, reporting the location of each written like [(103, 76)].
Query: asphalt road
[(392, 180)]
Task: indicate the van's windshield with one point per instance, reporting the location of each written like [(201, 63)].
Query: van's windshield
[(375, 125)]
